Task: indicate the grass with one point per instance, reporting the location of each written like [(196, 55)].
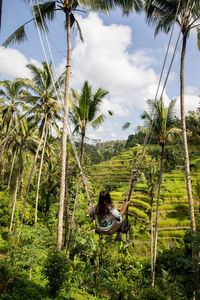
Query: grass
[(173, 223), (141, 204), (172, 233), (138, 213)]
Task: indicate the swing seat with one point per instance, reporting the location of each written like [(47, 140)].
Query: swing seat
[(117, 227)]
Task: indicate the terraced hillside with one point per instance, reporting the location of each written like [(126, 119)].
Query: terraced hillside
[(174, 220)]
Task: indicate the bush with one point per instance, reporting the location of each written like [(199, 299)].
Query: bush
[(151, 294), (55, 269), (21, 289)]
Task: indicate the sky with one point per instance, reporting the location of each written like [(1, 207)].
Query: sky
[(119, 54)]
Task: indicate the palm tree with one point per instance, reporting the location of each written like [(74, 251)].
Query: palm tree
[(21, 140), (84, 112), (162, 125), (193, 124), (11, 92), (186, 13), (46, 112), (85, 109)]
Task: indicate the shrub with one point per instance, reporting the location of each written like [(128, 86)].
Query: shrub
[(151, 294), (22, 289), (55, 269)]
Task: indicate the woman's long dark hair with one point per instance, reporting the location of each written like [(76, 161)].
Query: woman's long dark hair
[(105, 201)]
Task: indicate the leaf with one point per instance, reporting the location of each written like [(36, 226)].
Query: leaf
[(126, 125), (17, 37)]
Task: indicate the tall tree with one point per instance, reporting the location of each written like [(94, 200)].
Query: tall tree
[(21, 140), (193, 124), (85, 110), (11, 92), (163, 126), (45, 112), (186, 13)]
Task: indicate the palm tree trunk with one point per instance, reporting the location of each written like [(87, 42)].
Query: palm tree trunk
[(39, 175), (77, 191), (82, 145), (11, 170), (32, 171), (64, 136), (152, 237), (73, 215), (66, 202), (157, 215), (184, 135), (7, 135), (15, 199)]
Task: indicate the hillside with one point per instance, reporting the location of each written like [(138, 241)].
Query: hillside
[(174, 220)]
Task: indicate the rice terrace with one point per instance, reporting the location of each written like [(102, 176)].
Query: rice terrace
[(100, 149)]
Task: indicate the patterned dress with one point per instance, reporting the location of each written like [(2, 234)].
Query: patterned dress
[(108, 221)]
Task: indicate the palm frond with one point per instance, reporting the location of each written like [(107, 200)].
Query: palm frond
[(79, 30), (98, 121), (18, 36), (126, 125), (107, 5), (198, 38), (43, 12)]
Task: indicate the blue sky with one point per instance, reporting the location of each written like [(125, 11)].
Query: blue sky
[(119, 54)]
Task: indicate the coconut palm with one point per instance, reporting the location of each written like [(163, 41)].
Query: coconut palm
[(163, 127), (162, 13), (21, 140), (45, 112), (11, 92), (193, 124), (84, 111)]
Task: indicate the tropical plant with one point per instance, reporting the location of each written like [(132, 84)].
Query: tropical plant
[(46, 112), (21, 140), (187, 15), (162, 126), (47, 108), (193, 125), (11, 92), (84, 111)]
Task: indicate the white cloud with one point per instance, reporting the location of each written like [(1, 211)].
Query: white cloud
[(12, 64), (104, 60), (191, 99)]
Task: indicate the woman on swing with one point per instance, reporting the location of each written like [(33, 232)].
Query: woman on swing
[(108, 219)]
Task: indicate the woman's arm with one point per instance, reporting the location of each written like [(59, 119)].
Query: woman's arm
[(124, 207)]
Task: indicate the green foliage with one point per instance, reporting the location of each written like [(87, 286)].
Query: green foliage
[(56, 269), (22, 289), (6, 275), (151, 294), (138, 213), (4, 209)]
